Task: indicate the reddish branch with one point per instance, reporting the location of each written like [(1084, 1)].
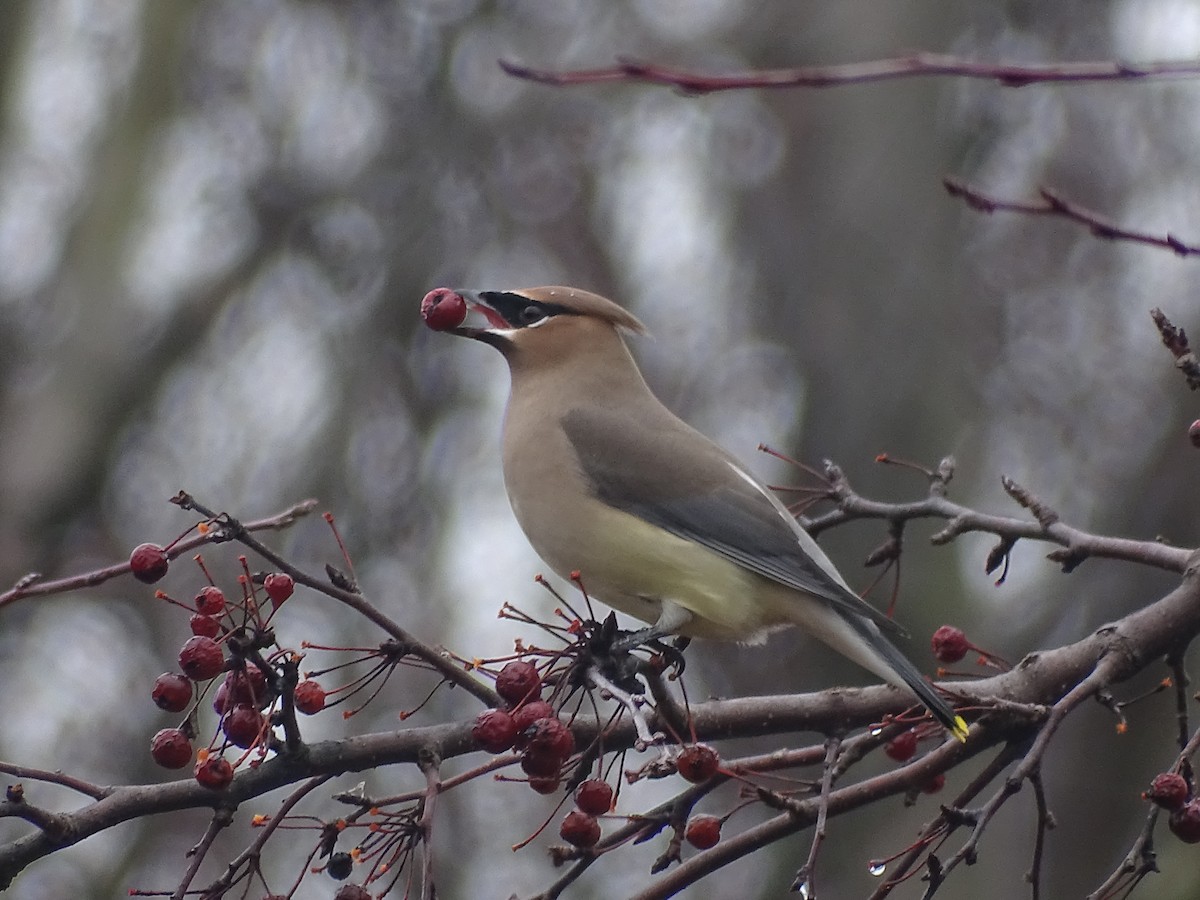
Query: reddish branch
[(1054, 204), (912, 66)]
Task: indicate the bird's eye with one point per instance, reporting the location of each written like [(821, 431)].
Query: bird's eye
[(531, 314)]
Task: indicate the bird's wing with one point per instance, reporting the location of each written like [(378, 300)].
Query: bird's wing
[(664, 472)]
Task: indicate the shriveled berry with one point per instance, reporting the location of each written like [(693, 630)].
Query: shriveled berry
[(902, 747), (171, 749), (309, 697), (443, 309), (214, 773), (703, 832), (210, 601), (697, 762), (340, 866), (352, 892), (205, 626), (201, 658), (279, 586), (527, 714), (494, 730), (547, 785), (172, 692), (519, 681), (594, 797), (949, 644), (1185, 822), (551, 737), (934, 784), (1168, 789), (243, 725), (248, 686), (579, 829), (148, 562), (540, 764)]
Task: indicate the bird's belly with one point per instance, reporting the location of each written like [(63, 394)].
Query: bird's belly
[(633, 567)]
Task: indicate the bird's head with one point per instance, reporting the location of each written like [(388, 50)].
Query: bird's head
[(530, 324)]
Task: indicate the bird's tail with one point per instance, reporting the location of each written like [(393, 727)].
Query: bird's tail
[(906, 672)]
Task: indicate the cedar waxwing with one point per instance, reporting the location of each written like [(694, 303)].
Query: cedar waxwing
[(661, 522)]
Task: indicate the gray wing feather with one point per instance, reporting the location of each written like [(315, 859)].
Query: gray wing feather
[(697, 496)]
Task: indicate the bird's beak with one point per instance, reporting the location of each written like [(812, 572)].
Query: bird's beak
[(496, 334)]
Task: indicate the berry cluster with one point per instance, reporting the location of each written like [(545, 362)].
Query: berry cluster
[(232, 647), (1172, 792)]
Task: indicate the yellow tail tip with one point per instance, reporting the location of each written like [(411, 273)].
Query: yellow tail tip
[(959, 728)]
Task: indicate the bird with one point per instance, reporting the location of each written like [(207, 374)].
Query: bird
[(658, 521)]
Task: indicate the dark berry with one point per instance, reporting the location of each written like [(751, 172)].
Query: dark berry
[(171, 749), (352, 892), (243, 725), (494, 730), (1185, 822), (934, 784), (541, 765), (594, 797), (148, 562), (519, 682), (697, 762), (309, 697), (201, 658), (248, 686), (703, 832), (210, 601), (550, 737), (1169, 790), (902, 747), (579, 829), (205, 626), (340, 866), (214, 773), (547, 785), (172, 692), (443, 309), (279, 587), (949, 644)]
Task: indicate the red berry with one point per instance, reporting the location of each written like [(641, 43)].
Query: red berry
[(594, 797), (934, 784), (525, 715), (204, 625), (214, 773), (550, 737), (541, 764), (171, 749), (248, 687), (547, 785), (309, 697), (1194, 433), (902, 747), (494, 730), (949, 644), (352, 892), (697, 762), (172, 692), (1185, 822), (201, 658), (519, 682), (1169, 790), (579, 829), (279, 587), (243, 725), (210, 601), (703, 832), (148, 562), (442, 309)]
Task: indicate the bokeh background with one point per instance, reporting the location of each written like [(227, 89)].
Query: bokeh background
[(217, 220)]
